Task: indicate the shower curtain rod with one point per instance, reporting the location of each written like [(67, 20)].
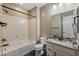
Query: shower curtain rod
[(18, 11)]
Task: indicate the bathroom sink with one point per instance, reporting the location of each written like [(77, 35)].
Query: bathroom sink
[(61, 38)]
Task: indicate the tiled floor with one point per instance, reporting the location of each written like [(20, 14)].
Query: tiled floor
[(32, 53)]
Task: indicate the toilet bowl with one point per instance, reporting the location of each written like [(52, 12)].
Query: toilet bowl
[(39, 47)]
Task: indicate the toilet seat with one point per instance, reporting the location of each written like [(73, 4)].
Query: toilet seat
[(39, 47)]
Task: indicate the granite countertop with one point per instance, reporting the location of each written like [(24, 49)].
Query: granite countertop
[(67, 44)]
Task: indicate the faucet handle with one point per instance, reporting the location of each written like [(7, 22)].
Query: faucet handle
[(5, 45), (3, 24)]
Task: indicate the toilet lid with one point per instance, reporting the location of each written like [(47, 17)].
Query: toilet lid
[(39, 46)]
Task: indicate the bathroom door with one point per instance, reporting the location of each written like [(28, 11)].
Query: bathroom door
[(68, 30)]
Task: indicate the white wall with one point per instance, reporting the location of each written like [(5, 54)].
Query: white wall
[(38, 22), (32, 29)]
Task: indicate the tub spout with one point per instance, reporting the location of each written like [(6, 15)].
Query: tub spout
[(5, 45)]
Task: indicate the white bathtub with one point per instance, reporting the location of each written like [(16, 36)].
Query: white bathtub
[(19, 49)]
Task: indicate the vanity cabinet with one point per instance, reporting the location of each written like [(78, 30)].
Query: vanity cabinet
[(58, 50), (63, 51), (50, 49)]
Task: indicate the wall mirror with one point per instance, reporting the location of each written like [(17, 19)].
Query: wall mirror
[(62, 25)]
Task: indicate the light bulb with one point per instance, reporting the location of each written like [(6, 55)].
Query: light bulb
[(54, 6), (22, 21), (21, 3), (60, 4)]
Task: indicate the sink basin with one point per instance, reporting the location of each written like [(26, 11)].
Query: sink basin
[(61, 38)]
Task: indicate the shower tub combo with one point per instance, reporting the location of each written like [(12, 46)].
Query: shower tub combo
[(18, 49), (16, 35)]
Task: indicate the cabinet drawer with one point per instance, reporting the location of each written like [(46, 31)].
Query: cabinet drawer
[(64, 50), (60, 53), (49, 44), (50, 52), (77, 53), (49, 47)]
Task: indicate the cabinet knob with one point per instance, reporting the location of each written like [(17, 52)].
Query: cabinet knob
[(49, 49)]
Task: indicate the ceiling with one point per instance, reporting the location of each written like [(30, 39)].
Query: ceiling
[(29, 6)]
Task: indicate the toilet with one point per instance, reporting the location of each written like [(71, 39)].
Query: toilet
[(39, 47)]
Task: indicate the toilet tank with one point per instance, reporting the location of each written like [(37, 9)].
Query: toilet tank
[(43, 40)]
